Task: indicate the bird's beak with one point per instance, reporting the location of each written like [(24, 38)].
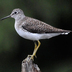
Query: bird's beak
[(5, 17)]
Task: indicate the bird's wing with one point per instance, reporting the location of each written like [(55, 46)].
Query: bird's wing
[(36, 26)]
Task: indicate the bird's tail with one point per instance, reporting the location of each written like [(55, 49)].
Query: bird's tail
[(66, 32)]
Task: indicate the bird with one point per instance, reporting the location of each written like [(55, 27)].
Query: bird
[(33, 29)]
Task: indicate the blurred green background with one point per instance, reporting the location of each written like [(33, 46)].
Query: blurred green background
[(55, 54)]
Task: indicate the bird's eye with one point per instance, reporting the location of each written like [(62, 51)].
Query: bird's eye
[(15, 12)]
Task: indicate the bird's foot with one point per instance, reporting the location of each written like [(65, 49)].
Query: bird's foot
[(31, 57), (35, 50)]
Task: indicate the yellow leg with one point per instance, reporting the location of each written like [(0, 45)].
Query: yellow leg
[(35, 47), (35, 50)]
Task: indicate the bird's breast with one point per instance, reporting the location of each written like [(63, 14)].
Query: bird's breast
[(24, 33)]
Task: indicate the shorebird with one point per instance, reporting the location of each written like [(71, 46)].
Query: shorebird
[(33, 29)]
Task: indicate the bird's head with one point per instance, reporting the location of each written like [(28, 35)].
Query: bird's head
[(16, 14)]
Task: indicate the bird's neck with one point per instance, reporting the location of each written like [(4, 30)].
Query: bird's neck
[(18, 21), (20, 17)]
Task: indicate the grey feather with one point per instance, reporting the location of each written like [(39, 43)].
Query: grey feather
[(36, 26)]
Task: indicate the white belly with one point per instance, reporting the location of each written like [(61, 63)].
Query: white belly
[(34, 36)]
